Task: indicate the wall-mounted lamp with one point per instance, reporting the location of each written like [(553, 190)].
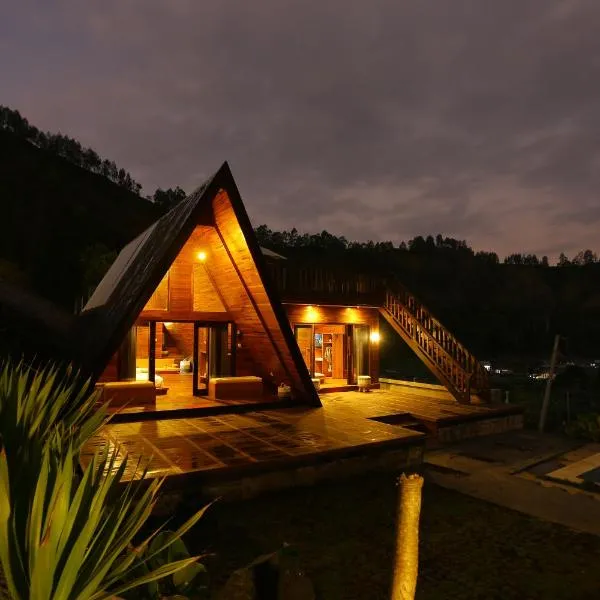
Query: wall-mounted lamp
[(375, 337), (311, 314), (201, 256)]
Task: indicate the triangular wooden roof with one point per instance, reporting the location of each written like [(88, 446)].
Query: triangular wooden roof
[(141, 265)]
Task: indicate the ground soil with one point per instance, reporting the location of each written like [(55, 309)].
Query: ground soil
[(346, 536)]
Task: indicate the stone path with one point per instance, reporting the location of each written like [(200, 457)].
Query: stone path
[(505, 470)]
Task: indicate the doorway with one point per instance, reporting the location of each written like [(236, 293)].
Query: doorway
[(213, 355), (181, 356), (334, 353)]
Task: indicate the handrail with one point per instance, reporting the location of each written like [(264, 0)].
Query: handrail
[(297, 279), (458, 364)]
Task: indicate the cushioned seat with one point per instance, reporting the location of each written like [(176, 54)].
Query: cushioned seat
[(232, 388), (119, 393)]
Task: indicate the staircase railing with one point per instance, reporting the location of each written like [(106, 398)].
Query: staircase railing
[(461, 370)]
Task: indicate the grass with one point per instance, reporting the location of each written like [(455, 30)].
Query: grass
[(345, 532)]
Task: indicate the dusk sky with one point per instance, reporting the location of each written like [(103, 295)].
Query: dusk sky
[(477, 119)]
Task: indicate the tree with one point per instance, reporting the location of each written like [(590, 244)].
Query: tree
[(487, 257), (91, 160), (563, 261), (167, 199), (514, 259), (585, 257)]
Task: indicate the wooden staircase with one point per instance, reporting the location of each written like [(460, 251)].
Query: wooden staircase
[(451, 363)]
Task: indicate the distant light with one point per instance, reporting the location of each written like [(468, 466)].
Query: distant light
[(201, 256), (375, 337)]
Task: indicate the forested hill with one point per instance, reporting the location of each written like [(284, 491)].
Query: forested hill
[(60, 221), (66, 211)]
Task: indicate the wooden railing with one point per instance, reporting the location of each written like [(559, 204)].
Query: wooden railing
[(296, 283), (451, 361)]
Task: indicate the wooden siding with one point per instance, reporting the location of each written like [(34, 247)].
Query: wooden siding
[(142, 341), (264, 348), (346, 315), (205, 297), (160, 298)]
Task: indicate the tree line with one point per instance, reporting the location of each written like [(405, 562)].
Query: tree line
[(297, 243), (508, 308), (86, 158)]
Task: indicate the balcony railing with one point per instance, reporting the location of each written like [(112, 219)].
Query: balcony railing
[(296, 283)]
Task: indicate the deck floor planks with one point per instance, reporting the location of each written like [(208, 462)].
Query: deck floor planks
[(212, 443)]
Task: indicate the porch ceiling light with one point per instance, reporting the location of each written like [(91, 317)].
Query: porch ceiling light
[(311, 313), (201, 256)]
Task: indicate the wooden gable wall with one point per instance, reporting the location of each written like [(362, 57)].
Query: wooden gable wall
[(264, 350), (226, 287)]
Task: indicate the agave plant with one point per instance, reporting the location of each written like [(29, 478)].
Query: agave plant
[(47, 405), (64, 537)]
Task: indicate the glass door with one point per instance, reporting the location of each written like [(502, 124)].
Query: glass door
[(213, 354), (358, 352), (304, 338), (220, 350), (201, 359)]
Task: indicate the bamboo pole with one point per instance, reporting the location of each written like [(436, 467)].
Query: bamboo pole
[(406, 565)]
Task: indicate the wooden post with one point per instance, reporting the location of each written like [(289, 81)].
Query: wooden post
[(406, 566), (126, 357), (546, 401), (152, 352)]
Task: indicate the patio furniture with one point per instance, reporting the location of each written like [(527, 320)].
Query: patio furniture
[(119, 393), (364, 383), (235, 388)]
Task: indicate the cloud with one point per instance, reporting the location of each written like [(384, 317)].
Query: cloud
[(384, 120)]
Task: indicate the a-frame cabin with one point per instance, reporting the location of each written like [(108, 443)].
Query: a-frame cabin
[(186, 304), (194, 308)]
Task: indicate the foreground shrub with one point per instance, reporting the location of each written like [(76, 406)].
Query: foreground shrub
[(64, 537)]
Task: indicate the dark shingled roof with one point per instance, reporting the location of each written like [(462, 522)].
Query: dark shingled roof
[(137, 272)]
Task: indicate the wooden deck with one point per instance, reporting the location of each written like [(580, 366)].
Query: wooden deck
[(353, 432), (281, 446), (430, 409)]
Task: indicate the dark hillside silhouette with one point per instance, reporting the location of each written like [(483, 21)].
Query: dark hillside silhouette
[(65, 147), (58, 219)]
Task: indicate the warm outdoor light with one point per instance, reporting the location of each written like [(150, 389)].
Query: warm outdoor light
[(375, 337), (311, 313), (201, 256)]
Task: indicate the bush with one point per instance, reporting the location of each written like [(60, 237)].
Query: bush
[(64, 537), (585, 426)]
